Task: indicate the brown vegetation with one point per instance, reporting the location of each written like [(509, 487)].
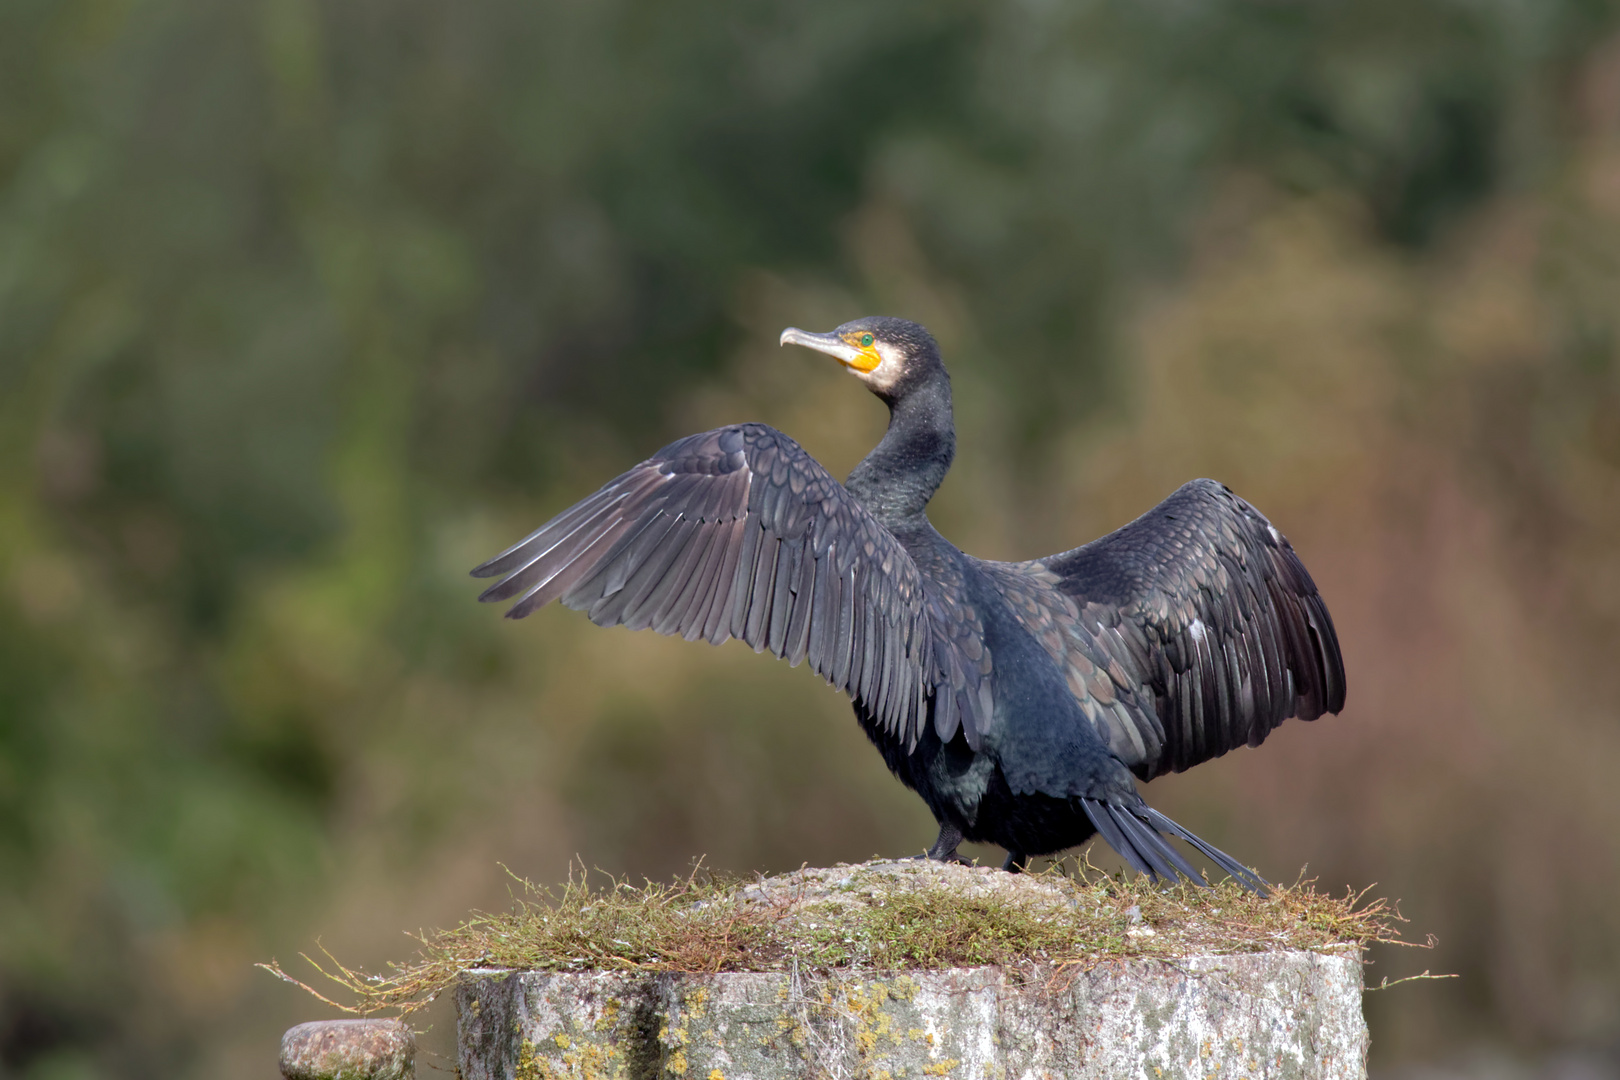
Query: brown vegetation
[(875, 916)]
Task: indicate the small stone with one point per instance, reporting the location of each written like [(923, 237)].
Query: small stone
[(349, 1050)]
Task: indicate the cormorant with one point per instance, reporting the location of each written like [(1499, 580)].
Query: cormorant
[(1020, 700)]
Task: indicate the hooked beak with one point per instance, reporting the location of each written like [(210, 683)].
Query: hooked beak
[(861, 360)]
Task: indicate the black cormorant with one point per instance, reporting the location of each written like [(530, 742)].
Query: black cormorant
[(1021, 700)]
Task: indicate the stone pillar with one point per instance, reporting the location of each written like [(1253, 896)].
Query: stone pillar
[(1283, 1014), (1294, 1015)]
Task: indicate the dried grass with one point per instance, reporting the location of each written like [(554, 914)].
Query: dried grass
[(856, 918)]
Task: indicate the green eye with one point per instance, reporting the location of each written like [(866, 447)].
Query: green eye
[(866, 341)]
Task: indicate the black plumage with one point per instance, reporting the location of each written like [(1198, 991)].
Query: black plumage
[(1018, 699)]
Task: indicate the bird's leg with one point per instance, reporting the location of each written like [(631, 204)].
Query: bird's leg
[(1016, 861), (944, 849)]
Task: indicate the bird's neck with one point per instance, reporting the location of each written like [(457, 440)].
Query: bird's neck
[(895, 481)]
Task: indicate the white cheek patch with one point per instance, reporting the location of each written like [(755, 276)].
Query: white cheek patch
[(887, 373)]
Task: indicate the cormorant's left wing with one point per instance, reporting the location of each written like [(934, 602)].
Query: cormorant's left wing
[(1191, 631)]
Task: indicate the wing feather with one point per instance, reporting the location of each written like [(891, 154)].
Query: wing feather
[(798, 630), (823, 625), (1215, 623), (742, 586), (739, 533), (634, 546), (844, 647), (757, 618), (661, 578), (536, 561), (693, 602), (562, 569)]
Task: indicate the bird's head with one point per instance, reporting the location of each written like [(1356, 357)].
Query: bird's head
[(889, 355)]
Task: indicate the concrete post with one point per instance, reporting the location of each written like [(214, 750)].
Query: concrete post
[(1283, 1015)]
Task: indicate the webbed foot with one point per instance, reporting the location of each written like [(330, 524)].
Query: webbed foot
[(944, 849)]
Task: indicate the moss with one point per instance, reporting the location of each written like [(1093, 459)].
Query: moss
[(879, 924)]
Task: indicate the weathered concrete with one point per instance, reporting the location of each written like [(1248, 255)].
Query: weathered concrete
[(1273, 1015), (1285, 1014), (349, 1050)]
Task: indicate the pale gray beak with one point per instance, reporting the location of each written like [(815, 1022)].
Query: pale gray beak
[(831, 344)]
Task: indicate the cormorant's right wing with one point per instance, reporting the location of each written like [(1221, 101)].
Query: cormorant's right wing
[(1204, 605), (739, 533)]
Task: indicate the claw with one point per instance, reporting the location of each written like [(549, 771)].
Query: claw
[(944, 849)]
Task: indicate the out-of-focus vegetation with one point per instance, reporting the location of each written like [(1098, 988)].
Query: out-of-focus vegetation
[(306, 308)]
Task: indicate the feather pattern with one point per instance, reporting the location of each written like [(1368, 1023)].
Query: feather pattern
[(740, 533), (1210, 627)]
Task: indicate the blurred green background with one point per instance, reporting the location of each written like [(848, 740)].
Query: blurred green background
[(308, 307)]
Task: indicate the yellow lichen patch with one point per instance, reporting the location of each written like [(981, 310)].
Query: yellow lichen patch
[(587, 1061), (716, 1074), (940, 1068), (561, 1040), (863, 1002), (677, 1063), (791, 1025), (529, 1065)]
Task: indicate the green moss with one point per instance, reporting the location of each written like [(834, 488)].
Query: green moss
[(713, 925)]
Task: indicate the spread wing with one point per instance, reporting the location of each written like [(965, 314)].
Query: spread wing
[(740, 533), (1193, 630)]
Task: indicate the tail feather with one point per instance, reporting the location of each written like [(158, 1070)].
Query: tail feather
[(1242, 873), (1138, 834), (1154, 846), (1109, 828)]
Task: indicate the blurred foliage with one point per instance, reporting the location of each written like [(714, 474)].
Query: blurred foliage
[(305, 308)]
